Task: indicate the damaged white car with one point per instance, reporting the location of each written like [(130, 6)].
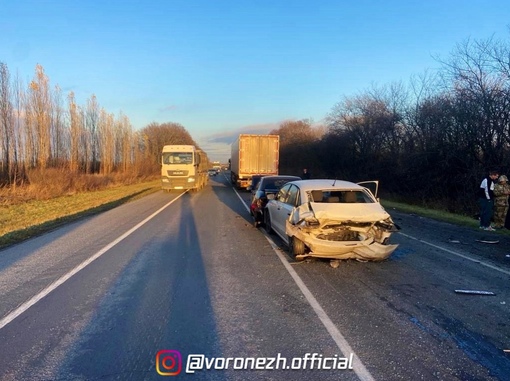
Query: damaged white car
[(331, 219)]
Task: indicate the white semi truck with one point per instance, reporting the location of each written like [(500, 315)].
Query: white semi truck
[(183, 167), (254, 155)]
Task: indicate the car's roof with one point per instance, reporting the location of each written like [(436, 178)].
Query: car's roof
[(317, 184), (280, 177)]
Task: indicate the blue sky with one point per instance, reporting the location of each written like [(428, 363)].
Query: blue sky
[(223, 67)]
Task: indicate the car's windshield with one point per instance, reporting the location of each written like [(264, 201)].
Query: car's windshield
[(275, 184), (336, 196)]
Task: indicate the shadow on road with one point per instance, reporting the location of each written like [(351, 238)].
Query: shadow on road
[(160, 301)]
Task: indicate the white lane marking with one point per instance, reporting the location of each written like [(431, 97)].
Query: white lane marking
[(240, 198), (29, 303), (342, 344), (458, 254)]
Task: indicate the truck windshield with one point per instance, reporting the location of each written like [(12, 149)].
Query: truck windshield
[(177, 158)]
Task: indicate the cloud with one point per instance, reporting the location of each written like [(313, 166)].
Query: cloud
[(218, 145), (229, 136), (168, 108)]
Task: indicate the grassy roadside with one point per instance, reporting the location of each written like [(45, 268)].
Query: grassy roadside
[(439, 215), (23, 221)]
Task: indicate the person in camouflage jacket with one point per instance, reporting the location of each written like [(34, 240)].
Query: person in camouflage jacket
[(501, 192)]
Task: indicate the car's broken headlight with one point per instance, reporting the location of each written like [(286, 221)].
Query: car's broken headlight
[(387, 225)]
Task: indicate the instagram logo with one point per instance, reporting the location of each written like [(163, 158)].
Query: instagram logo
[(168, 362)]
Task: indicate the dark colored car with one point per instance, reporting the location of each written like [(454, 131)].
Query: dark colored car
[(268, 185), (255, 179)]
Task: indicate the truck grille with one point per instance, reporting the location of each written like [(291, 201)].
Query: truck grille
[(177, 173)]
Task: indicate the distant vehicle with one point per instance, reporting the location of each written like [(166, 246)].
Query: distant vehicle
[(253, 155), (331, 219), (267, 185), (183, 167), (217, 166), (212, 172)]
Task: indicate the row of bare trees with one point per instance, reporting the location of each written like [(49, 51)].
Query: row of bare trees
[(429, 142), (39, 129)]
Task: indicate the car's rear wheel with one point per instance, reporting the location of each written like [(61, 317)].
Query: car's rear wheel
[(267, 223), (296, 247)]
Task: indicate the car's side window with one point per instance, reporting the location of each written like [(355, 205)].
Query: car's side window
[(282, 193), (292, 195), (364, 197)]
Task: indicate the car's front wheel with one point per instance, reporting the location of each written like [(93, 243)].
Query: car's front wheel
[(296, 247), (267, 223)]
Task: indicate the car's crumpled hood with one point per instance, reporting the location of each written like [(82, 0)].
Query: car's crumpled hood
[(342, 212)]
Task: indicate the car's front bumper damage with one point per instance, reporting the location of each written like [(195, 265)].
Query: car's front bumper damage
[(364, 237)]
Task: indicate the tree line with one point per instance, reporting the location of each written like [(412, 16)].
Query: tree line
[(41, 129), (429, 142)]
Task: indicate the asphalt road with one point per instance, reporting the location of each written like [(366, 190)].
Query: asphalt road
[(120, 295)]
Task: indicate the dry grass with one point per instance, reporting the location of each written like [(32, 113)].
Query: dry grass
[(51, 183), (32, 210)]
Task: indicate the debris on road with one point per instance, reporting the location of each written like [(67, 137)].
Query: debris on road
[(474, 292), (486, 240), (334, 263)]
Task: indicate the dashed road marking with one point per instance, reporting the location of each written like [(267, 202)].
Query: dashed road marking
[(457, 254)]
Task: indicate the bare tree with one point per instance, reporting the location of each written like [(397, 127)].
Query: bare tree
[(6, 124), (483, 96), (39, 108), (58, 129), (156, 135), (19, 121), (106, 142), (75, 133), (92, 128), (297, 146)]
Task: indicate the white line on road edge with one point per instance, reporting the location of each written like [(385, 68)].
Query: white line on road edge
[(457, 254), (358, 367), (342, 344), (29, 303)]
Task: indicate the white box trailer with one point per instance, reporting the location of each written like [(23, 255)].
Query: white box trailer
[(254, 155)]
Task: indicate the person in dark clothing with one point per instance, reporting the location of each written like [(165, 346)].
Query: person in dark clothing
[(486, 200), (306, 175)]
